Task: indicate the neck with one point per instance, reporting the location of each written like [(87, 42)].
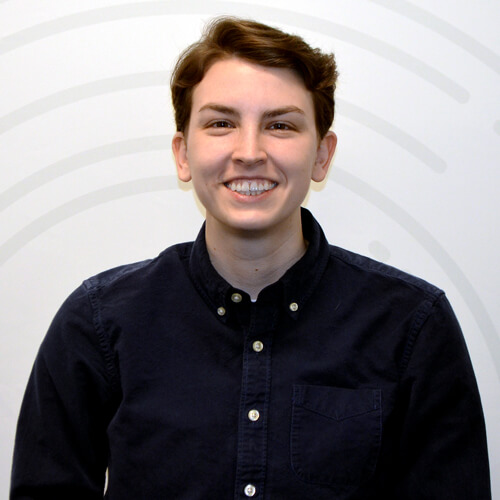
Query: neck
[(252, 260)]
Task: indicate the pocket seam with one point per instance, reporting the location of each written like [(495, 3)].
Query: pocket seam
[(331, 417)]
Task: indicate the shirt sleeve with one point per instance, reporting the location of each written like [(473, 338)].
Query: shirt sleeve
[(61, 448), (443, 450)]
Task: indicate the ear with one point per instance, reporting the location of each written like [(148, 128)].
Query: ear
[(179, 148), (324, 155)]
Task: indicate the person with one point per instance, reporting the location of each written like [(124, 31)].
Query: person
[(257, 361)]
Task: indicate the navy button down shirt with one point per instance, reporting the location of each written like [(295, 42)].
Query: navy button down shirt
[(346, 379)]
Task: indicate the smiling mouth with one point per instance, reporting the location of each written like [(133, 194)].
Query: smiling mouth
[(250, 188)]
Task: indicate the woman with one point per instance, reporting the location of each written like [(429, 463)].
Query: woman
[(257, 361)]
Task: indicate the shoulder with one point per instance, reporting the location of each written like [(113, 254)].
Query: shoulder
[(166, 265), (368, 273), (122, 294), (387, 298), (135, 283)]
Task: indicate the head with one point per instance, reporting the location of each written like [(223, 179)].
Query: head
[(257, 43)]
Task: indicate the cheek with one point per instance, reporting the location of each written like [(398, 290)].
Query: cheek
[(203, 194), (297, 163), (301, 153), (209, 155)]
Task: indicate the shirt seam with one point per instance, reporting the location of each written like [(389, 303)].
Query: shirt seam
[(420, 319), (92, 295)]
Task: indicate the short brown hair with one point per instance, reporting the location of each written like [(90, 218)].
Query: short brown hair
[(227, 37)]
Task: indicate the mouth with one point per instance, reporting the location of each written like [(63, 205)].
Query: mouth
[(250, 187)]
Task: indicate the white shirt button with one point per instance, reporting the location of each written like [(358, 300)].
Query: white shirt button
[(236, 297), (254, 415), (221, 311), (257, 346), (294, 306), (250, 490)]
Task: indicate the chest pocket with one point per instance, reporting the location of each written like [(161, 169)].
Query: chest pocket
[(335, 435)]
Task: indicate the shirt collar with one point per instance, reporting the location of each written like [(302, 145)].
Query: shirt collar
[(290, 293)]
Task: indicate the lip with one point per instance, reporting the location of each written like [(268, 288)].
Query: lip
[(241, 178)]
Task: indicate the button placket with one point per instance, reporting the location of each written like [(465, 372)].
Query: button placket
[(256, 382)]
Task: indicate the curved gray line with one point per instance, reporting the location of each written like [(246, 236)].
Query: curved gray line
[(394, 134), (424, 238), (379, 251), (159, 142), (136, 80), (445, 29), (496, 127), (80, 204), (80, 92), (82, 159), (383, 203), (144, 9)]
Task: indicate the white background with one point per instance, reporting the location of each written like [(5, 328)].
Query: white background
[(87, 179)]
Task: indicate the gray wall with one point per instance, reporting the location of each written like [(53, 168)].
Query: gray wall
[(88, 182)]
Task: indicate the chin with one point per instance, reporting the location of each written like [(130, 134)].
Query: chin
[(250, 226), (258, 224), (249, 223)]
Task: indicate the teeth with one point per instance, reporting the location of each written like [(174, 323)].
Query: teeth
[(251, 188)]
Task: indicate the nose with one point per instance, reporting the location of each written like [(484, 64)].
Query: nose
[(249, 146)]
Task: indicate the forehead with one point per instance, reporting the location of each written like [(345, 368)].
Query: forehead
[(237, 82)]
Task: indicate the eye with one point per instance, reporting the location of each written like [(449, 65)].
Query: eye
[(280, 126), (220, 124)]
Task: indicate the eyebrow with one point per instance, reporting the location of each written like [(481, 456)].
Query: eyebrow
[(283, 111), (272, 113)]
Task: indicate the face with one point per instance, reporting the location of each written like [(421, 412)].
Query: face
[(251, 147)]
